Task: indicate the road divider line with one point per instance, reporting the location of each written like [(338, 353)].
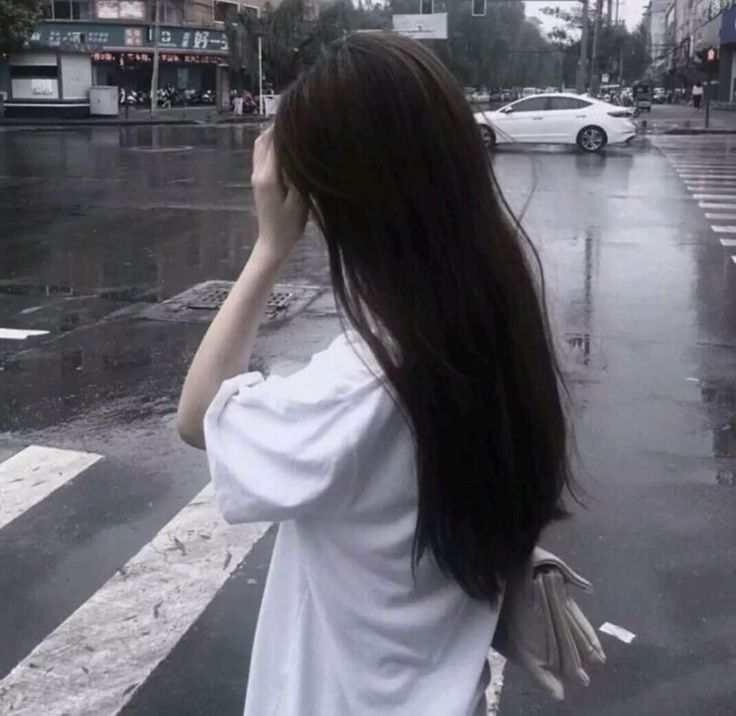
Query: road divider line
[(19, 334), (721, 217), (728, 243), (93, 663), (33, 473), (724, 229)]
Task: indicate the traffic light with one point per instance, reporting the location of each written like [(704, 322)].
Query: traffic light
[(479, 8), (426, 7)]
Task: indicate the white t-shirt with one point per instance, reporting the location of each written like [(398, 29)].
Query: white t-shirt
[(343, 628), (697, 91)]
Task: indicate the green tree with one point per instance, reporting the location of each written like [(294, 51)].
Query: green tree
[(620, 53), (17, 18)]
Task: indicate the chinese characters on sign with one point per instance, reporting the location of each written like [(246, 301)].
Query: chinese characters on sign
[(116, 36), (133, 36), (130, 58)]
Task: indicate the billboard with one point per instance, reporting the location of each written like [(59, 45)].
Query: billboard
[(422, 27)]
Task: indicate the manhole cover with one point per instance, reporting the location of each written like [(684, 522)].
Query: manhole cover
[(200, 302)]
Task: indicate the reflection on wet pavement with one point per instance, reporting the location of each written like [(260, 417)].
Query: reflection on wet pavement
[(101, 219)]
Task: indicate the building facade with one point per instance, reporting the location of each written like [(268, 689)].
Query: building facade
[(86, 43), (681, 31), (727, 57)]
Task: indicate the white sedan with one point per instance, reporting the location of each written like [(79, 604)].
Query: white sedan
[(558, 119)]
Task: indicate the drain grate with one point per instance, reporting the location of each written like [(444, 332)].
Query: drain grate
[(205, 296), (200, 302)]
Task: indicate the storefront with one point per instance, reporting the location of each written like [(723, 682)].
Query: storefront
[(727, 57), (65, 59)]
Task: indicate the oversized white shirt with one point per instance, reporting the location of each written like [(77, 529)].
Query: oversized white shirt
[(344, 629)]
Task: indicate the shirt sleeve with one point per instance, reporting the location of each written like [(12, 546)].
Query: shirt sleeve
[(278, 448)]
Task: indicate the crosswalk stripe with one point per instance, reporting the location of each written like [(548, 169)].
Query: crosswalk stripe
[(702, 167), (92, 664), (716, 205), (35, 472), (19, 334), (710, 197), (724, 229), (720, 217), (728, 243), (706, 175), (714, 181), (733, 258), (703, 186)]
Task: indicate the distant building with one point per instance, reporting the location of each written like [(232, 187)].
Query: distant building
[(82, 43), (680, 31), (656, 14)]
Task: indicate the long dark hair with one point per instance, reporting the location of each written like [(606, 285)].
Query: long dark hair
[(377, 135)]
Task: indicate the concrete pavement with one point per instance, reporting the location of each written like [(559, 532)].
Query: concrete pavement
[(101, 225), (681, 118)]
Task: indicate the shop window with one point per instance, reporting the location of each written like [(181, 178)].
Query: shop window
[(223, 10), (70, 9), (120, 9), (172, 13)]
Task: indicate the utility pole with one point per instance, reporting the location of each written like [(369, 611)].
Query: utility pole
[(583, 59), (156, 40), (594, 75)]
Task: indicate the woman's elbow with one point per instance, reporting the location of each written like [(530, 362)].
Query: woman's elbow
[(191, 433)]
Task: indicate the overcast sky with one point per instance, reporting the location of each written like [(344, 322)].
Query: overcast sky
[(630, 10)]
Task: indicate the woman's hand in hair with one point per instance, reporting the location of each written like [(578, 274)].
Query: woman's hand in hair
[(281, 211)]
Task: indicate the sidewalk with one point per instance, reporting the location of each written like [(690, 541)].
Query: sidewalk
[(683, 119), (141, 116)]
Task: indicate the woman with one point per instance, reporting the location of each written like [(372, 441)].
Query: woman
[(413, 464)]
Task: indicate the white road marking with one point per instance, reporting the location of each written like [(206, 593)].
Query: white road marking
[(716, 197), (728, 243), (35, 472), (714, 205), (718, 183), (721, 217), (709, 176), (702, 165), (724, 229), (92, 664), (19, 334), (733, 259), (624, 635)]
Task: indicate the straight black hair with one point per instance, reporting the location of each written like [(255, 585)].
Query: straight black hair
[(433, 271)]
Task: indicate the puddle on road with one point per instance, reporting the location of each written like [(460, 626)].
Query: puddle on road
[(719, 400)]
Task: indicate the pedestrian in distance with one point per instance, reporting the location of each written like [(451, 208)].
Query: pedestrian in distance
[(697, 95), (412, 464), (238, 104)]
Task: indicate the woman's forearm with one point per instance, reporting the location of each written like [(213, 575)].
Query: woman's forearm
[(227, 346)]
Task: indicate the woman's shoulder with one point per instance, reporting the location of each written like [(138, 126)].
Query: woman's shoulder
[(344, 369)]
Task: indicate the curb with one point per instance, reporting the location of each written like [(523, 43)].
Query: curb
[(76, 123), (683, 131)]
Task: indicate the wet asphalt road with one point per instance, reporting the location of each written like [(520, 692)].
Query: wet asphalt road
[(99, 225)]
